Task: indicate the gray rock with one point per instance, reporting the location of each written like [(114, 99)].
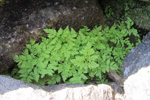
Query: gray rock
[(12, 89), (137, 58), (136, 72)]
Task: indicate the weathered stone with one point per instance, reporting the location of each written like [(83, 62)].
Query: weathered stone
[(145, 0), (11, 89), (136, 72), (26, 19), (118, 90), (137, 58), (137, 86)]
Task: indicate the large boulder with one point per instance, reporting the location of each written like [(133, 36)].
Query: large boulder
[(21, 20), (136, 71), (12, 89)]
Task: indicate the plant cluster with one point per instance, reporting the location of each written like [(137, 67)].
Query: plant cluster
[(1, 2), (137, 10), (67, 56), (108, 12), (141, 16)]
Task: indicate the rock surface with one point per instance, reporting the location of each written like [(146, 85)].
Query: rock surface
[(137, 58), (145, 0), (136, 72), (11, 89), (25, 19), (137, 86), (118, 90)]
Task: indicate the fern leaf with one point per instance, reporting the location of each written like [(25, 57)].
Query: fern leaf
[(93, 65), (32, 41)]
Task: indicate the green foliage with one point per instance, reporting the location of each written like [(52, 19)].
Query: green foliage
[(119, 10), (137, 10), (141, 16), (108, 11), (115, 9), (67, 56), (1, 2)]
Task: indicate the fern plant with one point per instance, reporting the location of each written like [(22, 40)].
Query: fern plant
[(67, 56)]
